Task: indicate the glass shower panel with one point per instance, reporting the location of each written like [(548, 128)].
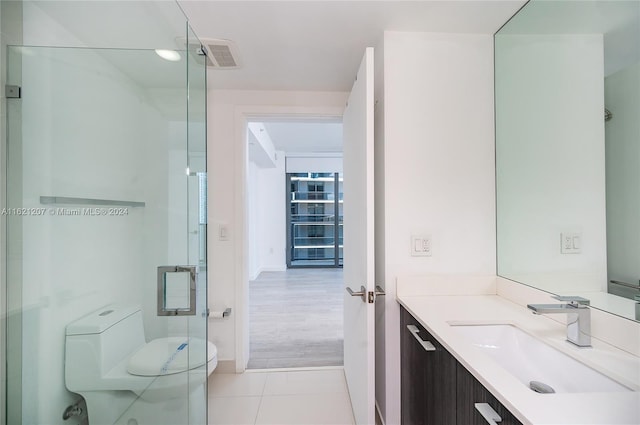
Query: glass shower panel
[(197, 218), (14, 253), (99, 196)]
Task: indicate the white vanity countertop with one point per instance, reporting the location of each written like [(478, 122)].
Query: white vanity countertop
[(434, 313)]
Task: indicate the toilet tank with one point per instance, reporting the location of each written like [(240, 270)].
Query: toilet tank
[(97, 342)]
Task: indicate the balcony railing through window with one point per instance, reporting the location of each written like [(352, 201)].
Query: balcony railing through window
[(314, 222)]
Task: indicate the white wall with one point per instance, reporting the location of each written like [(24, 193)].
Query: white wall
[(261, 149), (229, 111), (272, 195), (252, 224), (622, 97), (320, 163), (266, 198), (436, 172), (551, 172)]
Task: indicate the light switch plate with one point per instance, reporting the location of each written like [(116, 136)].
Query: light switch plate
[(223, 232), (570, 243), (421, 246)]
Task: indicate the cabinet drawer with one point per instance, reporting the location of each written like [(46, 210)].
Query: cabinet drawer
[(471, 391)]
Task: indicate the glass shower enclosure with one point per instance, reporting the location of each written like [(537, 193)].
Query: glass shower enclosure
[(106, 217)]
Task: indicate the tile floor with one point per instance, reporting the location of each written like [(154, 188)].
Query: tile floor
[(292, 397)]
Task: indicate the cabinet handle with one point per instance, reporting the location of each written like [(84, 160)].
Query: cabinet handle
[(488, 413), (427, 345)]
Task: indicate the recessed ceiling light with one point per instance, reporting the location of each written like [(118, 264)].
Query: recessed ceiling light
[(170, 55)]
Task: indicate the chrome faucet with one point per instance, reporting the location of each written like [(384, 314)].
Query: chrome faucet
[(578, 319)]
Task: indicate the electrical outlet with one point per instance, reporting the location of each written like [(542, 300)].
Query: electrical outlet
[(421, 245)]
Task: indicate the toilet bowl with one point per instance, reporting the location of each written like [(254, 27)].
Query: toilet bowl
[(124, 379)]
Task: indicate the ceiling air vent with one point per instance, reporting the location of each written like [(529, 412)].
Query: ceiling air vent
[(221, 54)]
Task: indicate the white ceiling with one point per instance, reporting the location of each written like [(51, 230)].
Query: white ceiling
[(300, 44), (305, 137), (317, 45)]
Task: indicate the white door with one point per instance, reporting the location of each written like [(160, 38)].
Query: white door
[(359, 331)]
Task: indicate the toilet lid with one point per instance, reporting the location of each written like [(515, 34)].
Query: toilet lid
[(164, 356)]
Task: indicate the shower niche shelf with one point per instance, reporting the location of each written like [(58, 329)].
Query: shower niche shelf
[(65, 200)]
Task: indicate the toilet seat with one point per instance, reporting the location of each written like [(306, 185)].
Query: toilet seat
[(167, 356)]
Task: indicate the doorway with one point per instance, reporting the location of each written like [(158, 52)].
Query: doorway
[(295, 303)]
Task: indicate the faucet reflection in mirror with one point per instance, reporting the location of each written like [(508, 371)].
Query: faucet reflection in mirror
[(561, 167)]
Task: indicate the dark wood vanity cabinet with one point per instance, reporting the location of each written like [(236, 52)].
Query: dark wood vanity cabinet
[(428, 379), (435, 388)]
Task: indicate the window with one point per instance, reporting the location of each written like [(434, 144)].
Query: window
[(314, 222)]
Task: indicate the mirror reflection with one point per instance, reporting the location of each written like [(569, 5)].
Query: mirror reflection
[(567, 82)]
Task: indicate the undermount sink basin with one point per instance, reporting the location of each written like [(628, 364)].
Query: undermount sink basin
[(531, 360)]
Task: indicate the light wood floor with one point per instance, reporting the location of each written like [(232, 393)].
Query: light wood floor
[(296, 319)]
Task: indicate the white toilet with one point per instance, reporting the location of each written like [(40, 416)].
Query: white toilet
[(124, 379)]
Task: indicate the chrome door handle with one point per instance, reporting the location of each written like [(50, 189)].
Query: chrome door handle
[(488, 413), (367, 297), (188, 288), (427, 345), (362, 293)]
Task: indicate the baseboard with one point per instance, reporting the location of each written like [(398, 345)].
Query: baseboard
[(281, 268), (261, 269), (226, 366), (294, 369)]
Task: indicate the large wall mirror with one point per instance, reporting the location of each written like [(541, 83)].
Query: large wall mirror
[(567, 83)]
